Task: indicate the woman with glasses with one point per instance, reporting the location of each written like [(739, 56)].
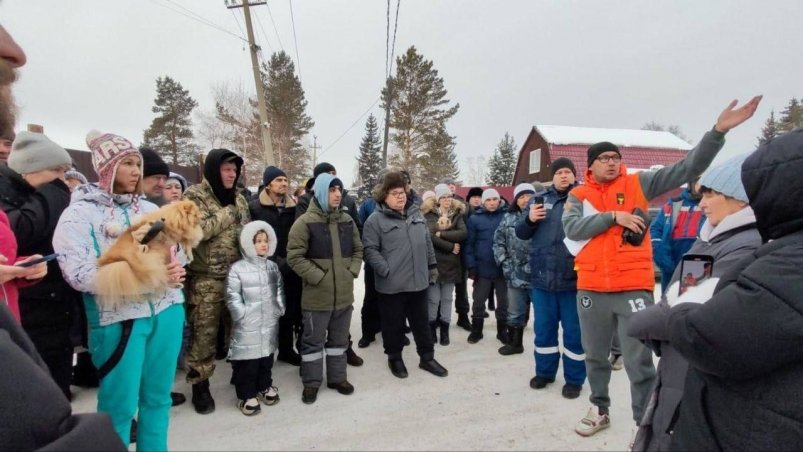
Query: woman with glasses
[(399, 249)]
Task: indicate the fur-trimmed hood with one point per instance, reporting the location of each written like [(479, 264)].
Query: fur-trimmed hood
[(267, 201), (430, 205), (247, 239)]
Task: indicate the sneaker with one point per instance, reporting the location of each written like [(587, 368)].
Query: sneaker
[(344, 387), (571, 391), (249, 407), (309, 395), (269, 396), (616, 362), (592, 422)]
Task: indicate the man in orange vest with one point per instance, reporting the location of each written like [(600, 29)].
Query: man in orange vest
[(615, 277)]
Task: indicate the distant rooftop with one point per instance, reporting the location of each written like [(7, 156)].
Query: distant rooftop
[(562, 135)]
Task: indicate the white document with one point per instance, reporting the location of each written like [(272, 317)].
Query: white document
[(575, 246)]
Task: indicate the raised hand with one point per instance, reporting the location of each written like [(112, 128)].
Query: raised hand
[(732, 116)]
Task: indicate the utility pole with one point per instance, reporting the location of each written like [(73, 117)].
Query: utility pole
[(263, 110), (315, 150), (388, 100)]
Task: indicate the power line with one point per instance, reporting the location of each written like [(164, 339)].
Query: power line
[(237, 21), (387, 40), (295, 41), (350, 127), (198, 18), (274, 27), (393, 47), (265, 35)]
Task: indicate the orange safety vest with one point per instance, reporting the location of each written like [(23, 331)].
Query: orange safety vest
[(607, 263)]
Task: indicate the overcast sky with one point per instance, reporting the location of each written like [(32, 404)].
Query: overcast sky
[(510, 64)]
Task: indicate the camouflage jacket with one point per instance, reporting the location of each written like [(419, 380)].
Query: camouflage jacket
[(220, 246), (511, 252)]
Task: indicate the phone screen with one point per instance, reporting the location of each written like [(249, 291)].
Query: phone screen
[(694, 269)]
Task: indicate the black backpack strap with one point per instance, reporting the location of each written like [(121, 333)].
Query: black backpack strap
[(117, 354)]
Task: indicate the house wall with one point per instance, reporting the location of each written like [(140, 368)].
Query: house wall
[(522, 174)]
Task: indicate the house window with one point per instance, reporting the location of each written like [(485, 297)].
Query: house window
[(535, 161)]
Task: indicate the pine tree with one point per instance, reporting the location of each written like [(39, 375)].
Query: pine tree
[(791, 117), (770, 129), (370, 159), (170, 133), (502, 166), (419, 112), (440, 160), (287, 115)]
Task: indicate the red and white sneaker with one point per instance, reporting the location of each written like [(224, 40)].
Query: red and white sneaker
[(592, 422)]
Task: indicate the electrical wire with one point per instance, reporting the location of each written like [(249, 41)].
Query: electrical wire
[(393, 47), (274, 27), (264, 35), (387, 41), (198, 18), (295, 40), (350, 127), (237, 21)]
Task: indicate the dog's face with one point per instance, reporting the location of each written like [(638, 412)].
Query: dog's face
[(443, 222), (183, 222)]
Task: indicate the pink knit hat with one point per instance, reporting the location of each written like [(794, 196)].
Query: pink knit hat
[(107, 151)]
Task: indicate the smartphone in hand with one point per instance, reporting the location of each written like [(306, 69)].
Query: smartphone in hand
[(694, 269), (38, 261)]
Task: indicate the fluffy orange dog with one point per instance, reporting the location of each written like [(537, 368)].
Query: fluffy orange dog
[(129, 270)]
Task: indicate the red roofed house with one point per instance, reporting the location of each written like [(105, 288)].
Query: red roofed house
[(640, 149)]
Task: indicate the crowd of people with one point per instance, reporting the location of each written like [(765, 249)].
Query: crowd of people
[(272, 279)]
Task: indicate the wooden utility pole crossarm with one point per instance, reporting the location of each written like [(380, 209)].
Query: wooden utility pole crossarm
[(263, 110)]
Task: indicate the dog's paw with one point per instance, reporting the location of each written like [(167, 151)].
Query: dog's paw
[(113, 229)]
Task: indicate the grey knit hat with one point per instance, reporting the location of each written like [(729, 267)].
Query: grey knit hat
[(32, 152), (442, 190), (726, 178)]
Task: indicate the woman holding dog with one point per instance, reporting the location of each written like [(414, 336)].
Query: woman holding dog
[(445, 221), (134, 344)]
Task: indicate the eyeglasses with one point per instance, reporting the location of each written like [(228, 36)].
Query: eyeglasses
[(608, 158), (397, 193)]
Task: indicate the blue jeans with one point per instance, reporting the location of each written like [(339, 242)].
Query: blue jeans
[(552, 309), (518, 305)]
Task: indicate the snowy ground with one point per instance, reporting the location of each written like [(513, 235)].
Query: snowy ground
[(484, 404)]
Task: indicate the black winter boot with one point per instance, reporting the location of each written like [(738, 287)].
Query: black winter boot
[(476, 331), (433, 330), (352, 358), (514, 346), (501, 333), (202, 398), (444, 333), (464, 322), (84, 373)]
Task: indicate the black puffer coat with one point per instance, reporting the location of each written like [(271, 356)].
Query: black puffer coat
[(449, 265), (744, 390)]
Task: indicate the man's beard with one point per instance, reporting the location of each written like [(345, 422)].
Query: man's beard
[(7, 107)]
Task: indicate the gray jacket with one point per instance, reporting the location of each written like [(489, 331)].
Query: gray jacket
[(399, 249), (255, 298), (734, 238)]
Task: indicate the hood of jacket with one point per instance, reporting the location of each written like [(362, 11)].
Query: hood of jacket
[(215, 158), (266, 201), (247, 239), (430, 205), (771, 178), (733, 221), (320, 190)]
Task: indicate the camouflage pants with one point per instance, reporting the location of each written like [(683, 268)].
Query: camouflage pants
[(205, 309)]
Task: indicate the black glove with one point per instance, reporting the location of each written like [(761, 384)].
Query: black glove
[(472, 273), (433, 275)]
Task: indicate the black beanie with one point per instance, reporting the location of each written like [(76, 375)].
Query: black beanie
[(560, 163), (603, 146), (152, 164), (474, 191), (323, 167), (271, 173)]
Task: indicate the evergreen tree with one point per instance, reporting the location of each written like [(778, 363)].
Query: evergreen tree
[(791, 117), (287, 115), (673, 129), (419, 112), (369, 160), (170, 133), (502, 166), (440, 160), (770, 129)]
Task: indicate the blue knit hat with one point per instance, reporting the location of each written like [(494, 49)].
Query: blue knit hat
[(726, 178)]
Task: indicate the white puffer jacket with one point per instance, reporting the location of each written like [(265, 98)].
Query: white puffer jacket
[(255, 297)]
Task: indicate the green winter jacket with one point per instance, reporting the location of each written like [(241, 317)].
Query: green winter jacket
[(325, 250), (220, 246)]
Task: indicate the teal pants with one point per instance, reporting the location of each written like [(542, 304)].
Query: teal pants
[(142, 379)]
